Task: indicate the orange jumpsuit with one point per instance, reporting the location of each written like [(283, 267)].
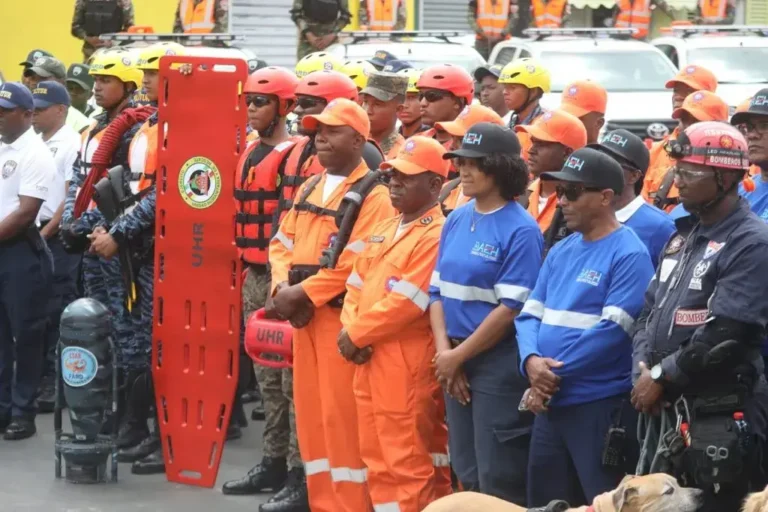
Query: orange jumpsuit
[(660, 163), (399, 417), (543, 217), (326, 418)]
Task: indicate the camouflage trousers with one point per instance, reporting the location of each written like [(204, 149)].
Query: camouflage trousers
[(303, 48), (276, 385)]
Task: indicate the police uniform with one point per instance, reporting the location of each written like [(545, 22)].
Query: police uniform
[(26, 169), (709, 288), (63, 145)]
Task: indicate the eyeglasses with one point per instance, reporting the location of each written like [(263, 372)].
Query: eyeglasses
[(257, 100), (759, 128), (307, 102), (433, 96), (688, 175), (573, 192)]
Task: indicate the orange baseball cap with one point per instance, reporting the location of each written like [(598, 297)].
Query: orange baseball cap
[(582, 97), (696, 77), (340, 112), (557, 126), (703, 106), (743, 106), (418, 155), (470, 116)]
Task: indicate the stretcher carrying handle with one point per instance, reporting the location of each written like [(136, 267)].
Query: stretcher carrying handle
[(265, 336)]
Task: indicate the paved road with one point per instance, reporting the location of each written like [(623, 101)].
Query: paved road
[(27, 482)]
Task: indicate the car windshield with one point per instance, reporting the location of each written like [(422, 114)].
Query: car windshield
[(743, 65), (616, 71)]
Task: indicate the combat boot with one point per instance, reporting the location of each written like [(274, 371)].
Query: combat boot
[(152, 464), (291, 498), (140, 451), (133, 427), (46, 399), (269, 475)]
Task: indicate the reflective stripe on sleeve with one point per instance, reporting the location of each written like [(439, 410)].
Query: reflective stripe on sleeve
[(358, 476), (466, 293), (412, 292), (435, 281), (283, 238), (313, 467), (355, 280), (617, 315), (356, 247), (387, 507), (441, 460), (511, 292), (534, 308)]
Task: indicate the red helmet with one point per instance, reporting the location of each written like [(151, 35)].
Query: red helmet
[(328, 85), (448, 77), (274, 81), (712, 143)]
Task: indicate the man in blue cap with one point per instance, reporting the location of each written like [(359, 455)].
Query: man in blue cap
[(381, 58), (27, 169), (52, 102)]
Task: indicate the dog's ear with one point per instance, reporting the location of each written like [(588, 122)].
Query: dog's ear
[(623, 496), (626, 479)]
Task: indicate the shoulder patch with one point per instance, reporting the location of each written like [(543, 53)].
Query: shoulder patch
[(426, 220), (376, 239), (675, 245)]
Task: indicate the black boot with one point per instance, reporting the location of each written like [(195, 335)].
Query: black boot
[(258, 414), (140, 451), (133, 427), (291, 498), (269, 475), (152, 464), (234, 432)]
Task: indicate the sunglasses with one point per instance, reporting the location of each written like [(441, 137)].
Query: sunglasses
[(573, 192), (257, 100), (688, 175), (759, 128), (433, 96), (306, 102)]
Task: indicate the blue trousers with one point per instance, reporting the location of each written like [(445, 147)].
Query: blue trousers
[(488, 438), (139, 350), (565, 461), (25, 276), (63, 292)]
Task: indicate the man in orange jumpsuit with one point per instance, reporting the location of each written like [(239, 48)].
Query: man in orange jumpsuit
[(311, 298), (399, 406), (586, 100), (554, 136), (698, 106), (451, 197), (689, 80)]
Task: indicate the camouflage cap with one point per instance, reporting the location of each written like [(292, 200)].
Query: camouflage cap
[(386, 86), (47, 67)]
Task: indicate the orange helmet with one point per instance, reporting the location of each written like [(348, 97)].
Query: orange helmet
[(448, 77), (328, 85), (274, 81)]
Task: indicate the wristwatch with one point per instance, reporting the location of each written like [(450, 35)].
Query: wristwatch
[(657, 374)]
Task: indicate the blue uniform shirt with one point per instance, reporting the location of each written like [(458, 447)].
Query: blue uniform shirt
[(678, 212), (758, 198), (582, 312), (476, 270), (652, 226)]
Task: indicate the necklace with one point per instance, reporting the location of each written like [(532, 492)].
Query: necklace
[(475, 222)]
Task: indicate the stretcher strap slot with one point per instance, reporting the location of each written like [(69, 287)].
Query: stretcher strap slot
[(199, 414), (163, 180), (161, 267), (187, 314), (186, 357), (160, 219), (164, 407), (192, 475), (159, 311), (201, 360), (220, 418), (157, 356), (212, 458), (169, 445), (184, 412), (203, 316), (233, 275)]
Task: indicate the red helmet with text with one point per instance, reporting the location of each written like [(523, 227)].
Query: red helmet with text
[(711, 143)]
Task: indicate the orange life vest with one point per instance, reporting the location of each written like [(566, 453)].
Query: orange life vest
[(256, 195), (300, 165), (712, 10), (492, 16), (197, 19), (634, 14), (382, 14), (142, 156), (88, 146), (549, 14)]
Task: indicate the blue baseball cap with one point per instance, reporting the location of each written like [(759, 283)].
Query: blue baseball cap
[(381, 58), (15, 95), (50, 93), (394, 66)]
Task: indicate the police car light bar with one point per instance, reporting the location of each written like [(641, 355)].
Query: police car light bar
[(687, 30), (541, 33), (178, 38), (403, 34)]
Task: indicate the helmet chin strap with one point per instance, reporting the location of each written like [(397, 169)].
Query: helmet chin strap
[(722, 192), (525, 105)]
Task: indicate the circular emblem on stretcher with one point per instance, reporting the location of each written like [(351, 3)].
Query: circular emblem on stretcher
[(199, 182), (78, 366)]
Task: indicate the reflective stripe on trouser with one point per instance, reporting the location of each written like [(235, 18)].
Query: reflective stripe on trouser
[(122, 323), (326, 417), (398, 417)]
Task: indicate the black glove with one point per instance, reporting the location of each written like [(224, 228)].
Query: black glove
[(74, 243)]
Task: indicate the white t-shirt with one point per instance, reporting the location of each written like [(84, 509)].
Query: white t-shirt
[(543, 203), (332, 182), (26, 169), (64, 145), (401, 227)]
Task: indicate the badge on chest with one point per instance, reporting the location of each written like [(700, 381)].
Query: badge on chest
[(699, 271)]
